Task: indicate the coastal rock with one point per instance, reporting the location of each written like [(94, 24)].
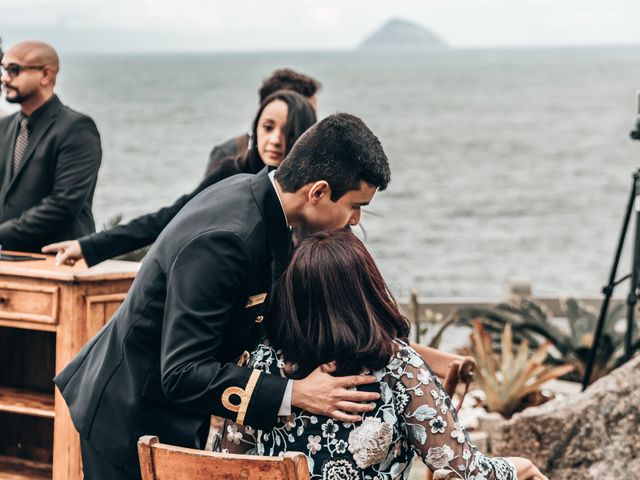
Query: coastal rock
[(592, 435), (400, 35)]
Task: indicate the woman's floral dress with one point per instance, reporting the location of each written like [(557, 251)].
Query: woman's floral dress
[(413, 415)]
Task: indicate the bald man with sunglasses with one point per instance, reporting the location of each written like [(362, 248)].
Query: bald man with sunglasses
[(49, 155)]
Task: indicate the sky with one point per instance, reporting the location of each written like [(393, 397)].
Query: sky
[(258, 25)]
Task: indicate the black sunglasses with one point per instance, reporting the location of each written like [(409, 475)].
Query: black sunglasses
[(13, 69)]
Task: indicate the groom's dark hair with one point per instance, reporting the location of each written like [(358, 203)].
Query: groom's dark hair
[(341, 150)]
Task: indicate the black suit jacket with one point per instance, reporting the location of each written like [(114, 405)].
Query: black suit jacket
[(49, 199), (162, 365)]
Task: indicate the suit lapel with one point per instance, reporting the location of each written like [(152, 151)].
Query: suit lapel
[(41, 126), (278, 233), (8, 143), (281, 257)]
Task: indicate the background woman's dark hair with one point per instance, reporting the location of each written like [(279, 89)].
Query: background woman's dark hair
[(332, 304), (300, 117), (288, 79)]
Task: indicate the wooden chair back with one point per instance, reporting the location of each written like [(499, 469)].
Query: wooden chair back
[(451, 368), (159, 461)]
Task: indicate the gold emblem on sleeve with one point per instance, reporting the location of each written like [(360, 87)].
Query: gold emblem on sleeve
[(244, 394)]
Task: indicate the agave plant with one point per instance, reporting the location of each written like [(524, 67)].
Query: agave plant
[(509, 379), (582, 321), (533, 322)]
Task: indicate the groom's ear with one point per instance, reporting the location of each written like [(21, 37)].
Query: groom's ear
[(318, 191)]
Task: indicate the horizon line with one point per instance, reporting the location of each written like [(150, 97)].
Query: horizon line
[(445, 49)]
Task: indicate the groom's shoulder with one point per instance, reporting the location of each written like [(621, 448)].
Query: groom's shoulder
[(221, 194), (228, 206)]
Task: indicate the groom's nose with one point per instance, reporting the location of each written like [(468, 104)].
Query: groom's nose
[(355, 218)]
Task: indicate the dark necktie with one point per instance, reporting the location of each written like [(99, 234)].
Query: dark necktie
[(21, 144)]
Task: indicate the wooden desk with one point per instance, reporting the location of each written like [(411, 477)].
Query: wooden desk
[(46, 314)]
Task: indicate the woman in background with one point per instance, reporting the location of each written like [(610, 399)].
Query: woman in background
[(282, 117), (332, 307)]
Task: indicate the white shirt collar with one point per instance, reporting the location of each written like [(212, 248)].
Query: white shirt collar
[(272, 174)]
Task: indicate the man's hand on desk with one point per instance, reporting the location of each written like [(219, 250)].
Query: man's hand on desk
[(67, 252)]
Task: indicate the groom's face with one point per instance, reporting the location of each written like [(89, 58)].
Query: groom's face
[(324, 214)]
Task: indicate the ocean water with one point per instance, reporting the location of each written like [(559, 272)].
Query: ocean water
[(505, 163)]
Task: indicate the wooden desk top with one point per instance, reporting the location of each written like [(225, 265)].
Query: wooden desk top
[(108, 270)]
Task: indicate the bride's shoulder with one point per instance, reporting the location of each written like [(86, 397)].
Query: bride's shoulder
[(406, 354), (403, 362)]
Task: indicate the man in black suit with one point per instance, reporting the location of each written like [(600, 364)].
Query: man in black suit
[(166, 361), (49, 156)]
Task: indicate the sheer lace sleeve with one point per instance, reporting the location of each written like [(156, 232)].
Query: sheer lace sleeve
[(430, 423)]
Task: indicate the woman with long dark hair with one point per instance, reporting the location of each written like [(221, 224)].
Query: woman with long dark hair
[(332, 307), (282, 117)]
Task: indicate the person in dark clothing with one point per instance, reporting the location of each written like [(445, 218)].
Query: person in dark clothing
[(49, 155), (282, 117), (281, 79), (167, 359), (332, 305)]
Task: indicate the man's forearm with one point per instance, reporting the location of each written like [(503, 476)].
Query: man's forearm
[(437, 360)]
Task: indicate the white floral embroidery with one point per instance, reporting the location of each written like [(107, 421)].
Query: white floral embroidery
[(457, 433), (370, 442), (413, 415), (329, 429), (233, 435), (340, 469), (439, 457), (314, 443), (341, 446), (424, 376), (437, 424), (291, 422)]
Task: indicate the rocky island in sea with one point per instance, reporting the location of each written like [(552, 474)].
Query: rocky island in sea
[(400, 35)]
